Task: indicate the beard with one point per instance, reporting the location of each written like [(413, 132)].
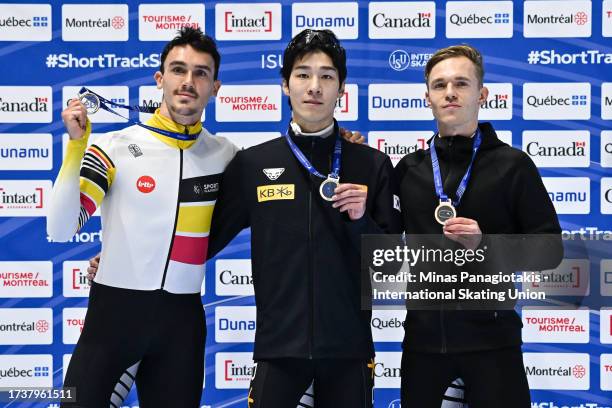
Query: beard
[(183, 110)]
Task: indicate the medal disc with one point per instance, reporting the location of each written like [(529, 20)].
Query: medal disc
[(444, 211), (327, 188), (91, 102)]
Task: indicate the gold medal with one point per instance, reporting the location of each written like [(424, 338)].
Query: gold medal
[(444, 211)]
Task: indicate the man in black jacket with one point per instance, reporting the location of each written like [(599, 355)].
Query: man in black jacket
[(473, 185), (308, 197)]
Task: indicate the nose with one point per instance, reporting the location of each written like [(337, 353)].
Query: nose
[(187, 85), (450, 92), (314, 87), (188, 80)]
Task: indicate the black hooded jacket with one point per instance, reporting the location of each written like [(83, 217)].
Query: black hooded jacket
[(505, 195)]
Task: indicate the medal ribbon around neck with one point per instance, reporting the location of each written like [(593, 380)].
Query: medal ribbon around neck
[(93, 102), (466, 177), (331, 181)]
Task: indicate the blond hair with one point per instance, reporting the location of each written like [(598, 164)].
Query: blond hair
[(455, 51)]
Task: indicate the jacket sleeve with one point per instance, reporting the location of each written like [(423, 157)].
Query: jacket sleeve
[(538, 244), (230, 215), (83, 181)]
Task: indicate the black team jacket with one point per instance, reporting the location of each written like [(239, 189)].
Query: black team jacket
[(305, 254), (505, 195)]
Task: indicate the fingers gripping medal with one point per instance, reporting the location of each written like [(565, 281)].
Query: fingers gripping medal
[(328, 187)]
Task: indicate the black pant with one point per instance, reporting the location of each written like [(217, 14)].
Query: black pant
[(154, 337), (338, 383), (493, 378)]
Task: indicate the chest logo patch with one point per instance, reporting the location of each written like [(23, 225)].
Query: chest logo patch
[(135, 150), (203, 188), (275, 192), (145, 184), (275, 173)]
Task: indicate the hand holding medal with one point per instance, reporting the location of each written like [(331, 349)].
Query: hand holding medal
[(75, 119), (464, 231), (351, 198)]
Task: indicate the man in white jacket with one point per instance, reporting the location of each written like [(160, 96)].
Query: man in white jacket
[(156, 187)]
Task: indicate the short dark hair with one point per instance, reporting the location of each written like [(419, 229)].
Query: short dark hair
[(455, 51), (198, 40), (311, 41)]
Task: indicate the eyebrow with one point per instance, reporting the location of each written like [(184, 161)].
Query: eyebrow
[(182, 64), (458, 78), (325, 68)]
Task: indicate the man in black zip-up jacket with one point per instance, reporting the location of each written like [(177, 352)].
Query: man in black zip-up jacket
[(504, 195), (305, 240)]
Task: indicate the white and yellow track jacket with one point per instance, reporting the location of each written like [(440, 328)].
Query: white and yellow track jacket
[(157, 196)]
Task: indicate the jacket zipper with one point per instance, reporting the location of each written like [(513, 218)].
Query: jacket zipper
[(443, 348), (178, 205), (310, 260)]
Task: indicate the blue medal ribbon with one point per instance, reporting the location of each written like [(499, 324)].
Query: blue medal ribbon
[(105, 104), (466, 177), (335, 174)]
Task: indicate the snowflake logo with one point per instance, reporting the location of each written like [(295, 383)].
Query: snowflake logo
[(581, 18), (118, 22), (579, 371), (42, 326)]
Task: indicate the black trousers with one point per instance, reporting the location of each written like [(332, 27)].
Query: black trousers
[(338, 383), (154, 338), (493, 378)]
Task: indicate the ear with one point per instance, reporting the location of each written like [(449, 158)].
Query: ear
[(427, 99), (216, 86), (285, 87), (158, 76), (484, 94)]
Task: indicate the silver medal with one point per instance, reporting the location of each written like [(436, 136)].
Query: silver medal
[(91, 102), (328, 187)]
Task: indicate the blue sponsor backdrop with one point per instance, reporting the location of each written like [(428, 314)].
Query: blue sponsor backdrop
[(514, 59)]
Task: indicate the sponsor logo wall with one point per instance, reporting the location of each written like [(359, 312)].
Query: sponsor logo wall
[(26, 370), (343, 19), (248, 22), (25, 22), (402, 20), (557, 371), (26, 151), (159, 22), (479, 19), (108, 22), (553, 19), (547, 67)]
